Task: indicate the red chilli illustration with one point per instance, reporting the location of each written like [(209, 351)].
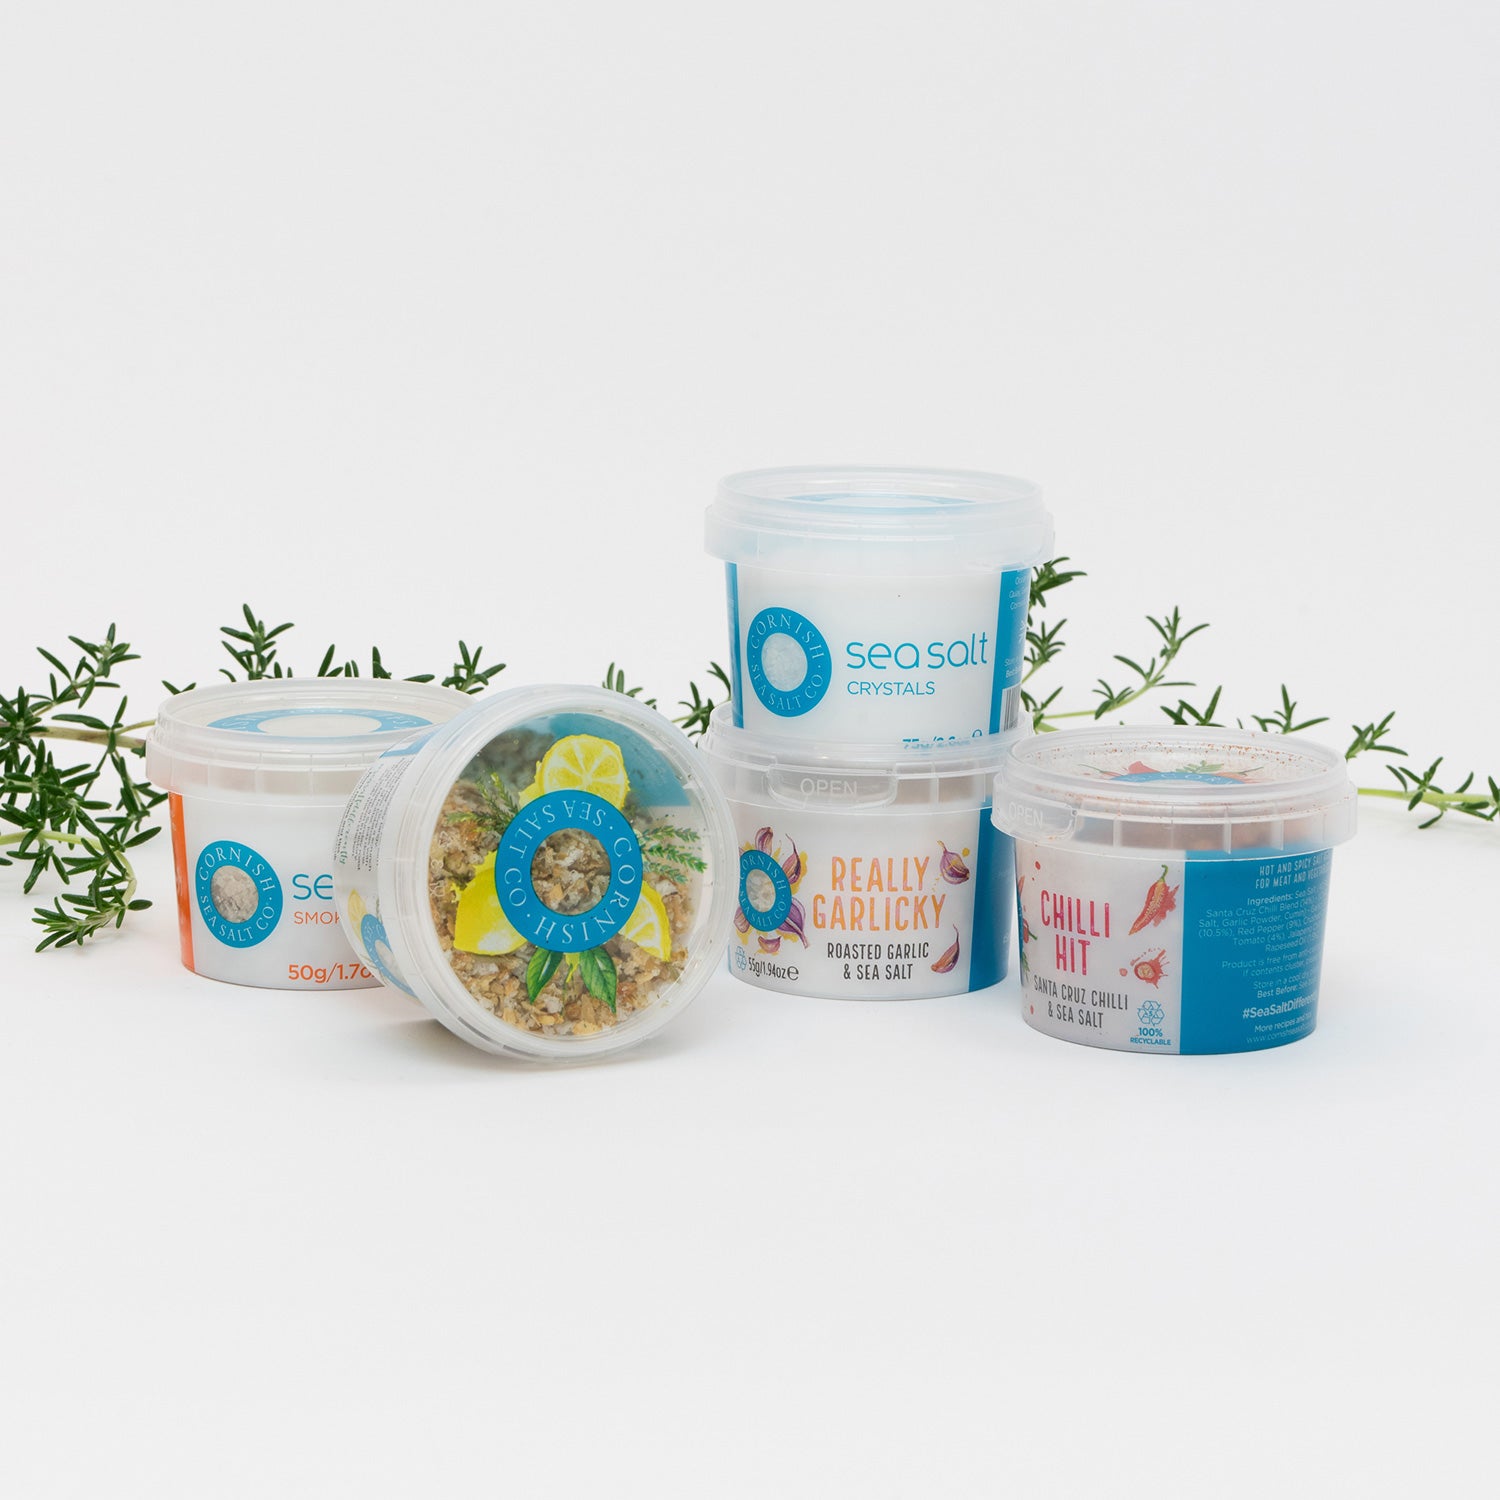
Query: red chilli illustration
[(1149, 968), (947, 961), (1160, 899)]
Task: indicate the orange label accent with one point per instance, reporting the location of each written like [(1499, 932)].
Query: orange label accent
[(184, 896)]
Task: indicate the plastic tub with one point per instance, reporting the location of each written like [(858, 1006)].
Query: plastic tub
[(866, 872), (1173, 884), (550, 874), (881, 606), (258, 773)]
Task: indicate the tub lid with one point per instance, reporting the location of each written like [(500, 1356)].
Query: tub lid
[(1110, 785), (288, 734), (557, 872), (853, 776), (878, 521)]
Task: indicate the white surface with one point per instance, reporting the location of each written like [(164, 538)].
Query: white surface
[(443, 320)]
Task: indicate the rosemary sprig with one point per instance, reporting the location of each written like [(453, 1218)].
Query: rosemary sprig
[(79, 818), (614, 680), (1044, 642), (1284, 719), (699, 705), (75, 818), (500, 806), (662, 848), (1420, 790), (257, 656), (1044, 648)]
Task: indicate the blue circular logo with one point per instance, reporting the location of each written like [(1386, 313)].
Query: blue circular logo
[(377, 946), (556, 812), (767, 635), (775, 914), (271, 720), (238, 894)]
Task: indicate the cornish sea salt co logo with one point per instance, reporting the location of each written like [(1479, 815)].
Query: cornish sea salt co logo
[(238, 894), (788, 661), (537, 821)]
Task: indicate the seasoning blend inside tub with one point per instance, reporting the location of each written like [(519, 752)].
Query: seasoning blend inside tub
[(258, 773), (551, 874), (1172, 885)]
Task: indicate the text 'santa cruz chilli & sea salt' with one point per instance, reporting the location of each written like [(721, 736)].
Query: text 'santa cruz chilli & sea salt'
[(258, 773), (875, 606), (866, 872), (1172, 885), (551, 873)]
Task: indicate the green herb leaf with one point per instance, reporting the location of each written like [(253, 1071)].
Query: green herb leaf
[(614, 680), (699, 706), (542, 967), (599, 978)]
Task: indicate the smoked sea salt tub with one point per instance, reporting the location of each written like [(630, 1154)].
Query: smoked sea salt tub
[(258, 773), (866, 872), (877, 606), (1172, 885), (551, 873)]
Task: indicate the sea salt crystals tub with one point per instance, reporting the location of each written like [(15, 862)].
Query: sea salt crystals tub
[(551, 873), (877, 605), (1172, 885), (258, 773), (867, 872)]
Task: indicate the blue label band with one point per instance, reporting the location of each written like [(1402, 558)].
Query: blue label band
[(1213, 778), (775, 914), (799, 698), (1010, 641), (264, 721), (1252, 950), (736, 672), (238, 894), (557, 812)]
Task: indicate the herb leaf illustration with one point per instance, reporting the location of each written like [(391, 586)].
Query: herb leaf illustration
[(597, 970), (542, 967)]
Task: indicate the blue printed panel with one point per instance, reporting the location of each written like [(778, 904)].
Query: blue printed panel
[(1010, 640), (994, 904), (1252, 950)]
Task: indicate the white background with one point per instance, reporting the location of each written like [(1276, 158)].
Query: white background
[(411, 322)]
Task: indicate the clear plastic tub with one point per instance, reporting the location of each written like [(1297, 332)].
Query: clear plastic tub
[(1173, 884), (877, 606), (551, 874), (866, 872), (258, 773)]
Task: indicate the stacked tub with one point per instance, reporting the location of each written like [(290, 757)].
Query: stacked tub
[(877, 624)]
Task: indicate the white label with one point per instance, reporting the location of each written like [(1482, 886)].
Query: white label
[(256, 894), (1205, 954), (913, 661), (877, 907)]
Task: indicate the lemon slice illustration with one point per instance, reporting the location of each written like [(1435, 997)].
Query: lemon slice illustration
[(648, 925), (479, 926), (585, 763)]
